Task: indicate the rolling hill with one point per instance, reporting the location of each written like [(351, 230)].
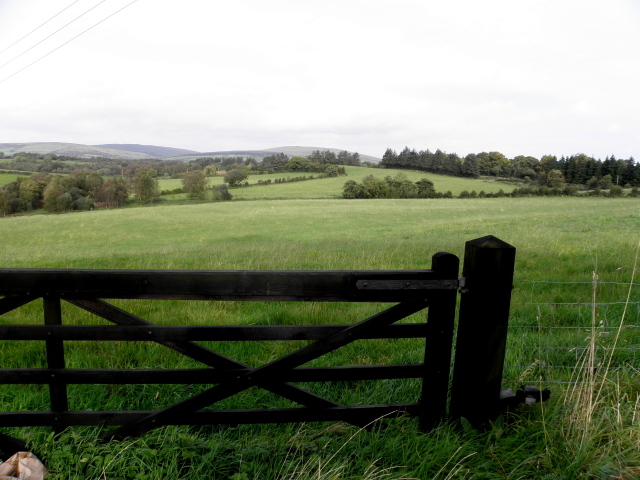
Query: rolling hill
[(130, 151)]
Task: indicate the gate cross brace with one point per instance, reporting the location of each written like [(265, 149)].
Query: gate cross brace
[(14, 301), (256, 377), (209, 357)]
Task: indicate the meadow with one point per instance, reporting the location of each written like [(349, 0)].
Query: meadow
[(332, 187), (588, 429), (7, 178)]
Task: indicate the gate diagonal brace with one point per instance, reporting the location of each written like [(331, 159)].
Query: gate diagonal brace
[(208, 357), (264, 374), (14, 301)]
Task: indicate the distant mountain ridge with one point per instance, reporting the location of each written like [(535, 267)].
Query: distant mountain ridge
[(151, 150), (291, 151), (133, 151)]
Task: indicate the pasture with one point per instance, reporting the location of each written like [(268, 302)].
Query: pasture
[(332, 187), (557, 240), (7, 178)]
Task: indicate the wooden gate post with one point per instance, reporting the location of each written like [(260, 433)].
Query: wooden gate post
[(482, 329), (438, 346)]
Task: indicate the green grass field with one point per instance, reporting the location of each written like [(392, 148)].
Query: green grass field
[(579, 433), (7, 178), (332, 187)]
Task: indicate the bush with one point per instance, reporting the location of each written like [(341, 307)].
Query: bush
[(615, 191), (235, 177), (352, 189), (221, 193)]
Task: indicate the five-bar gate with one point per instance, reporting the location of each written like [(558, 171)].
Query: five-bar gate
[(484, 307)]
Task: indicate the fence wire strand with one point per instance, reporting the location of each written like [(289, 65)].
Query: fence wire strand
[(630, 364)]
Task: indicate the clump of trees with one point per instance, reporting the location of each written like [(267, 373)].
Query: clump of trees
[(398, 186), (54, 193)]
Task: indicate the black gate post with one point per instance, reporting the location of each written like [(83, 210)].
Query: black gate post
[(482, 329), (439, 340)]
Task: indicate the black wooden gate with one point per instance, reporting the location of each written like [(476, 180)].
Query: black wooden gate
[(409, 291)]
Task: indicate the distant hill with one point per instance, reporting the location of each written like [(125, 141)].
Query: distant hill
[(70, 149), (291, 151), (150, 150), (132, 151)]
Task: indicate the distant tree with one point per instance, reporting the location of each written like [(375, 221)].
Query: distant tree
[(470, 167), (56, 199), (113, 193), (346, 158), (235, 177), (94, 183), (605, 182), (615, 191), (221, 193), (555, 179), (401, 187), (389, 159), (275, 162), (548, 163), (492, 163), (375, 187), (426, 188), (195, 183), (353, 189), (592, 182), (300, 164), (28, 192), (333, 170), (145, 185), (326, 156)]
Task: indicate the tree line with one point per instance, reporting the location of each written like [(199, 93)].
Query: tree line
[(84, 190), (575, 169), (55, 193), (66, 165), (399, 186)]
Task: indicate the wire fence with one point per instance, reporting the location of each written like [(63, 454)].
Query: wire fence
[(554, 325)]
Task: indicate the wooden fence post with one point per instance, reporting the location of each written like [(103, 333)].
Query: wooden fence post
[(437, 357), (482, 329)]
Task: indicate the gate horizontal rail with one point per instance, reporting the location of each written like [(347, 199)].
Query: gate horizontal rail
[(250, 285)]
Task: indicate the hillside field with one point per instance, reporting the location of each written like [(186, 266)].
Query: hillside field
[(332, 187), (557, 240), (7, 178)]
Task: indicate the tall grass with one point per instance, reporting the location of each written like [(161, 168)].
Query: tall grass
[(601, 432)]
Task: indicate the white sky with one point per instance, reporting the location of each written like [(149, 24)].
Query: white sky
[(520, 77)]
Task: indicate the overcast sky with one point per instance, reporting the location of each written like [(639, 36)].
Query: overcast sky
[(520, 77)]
